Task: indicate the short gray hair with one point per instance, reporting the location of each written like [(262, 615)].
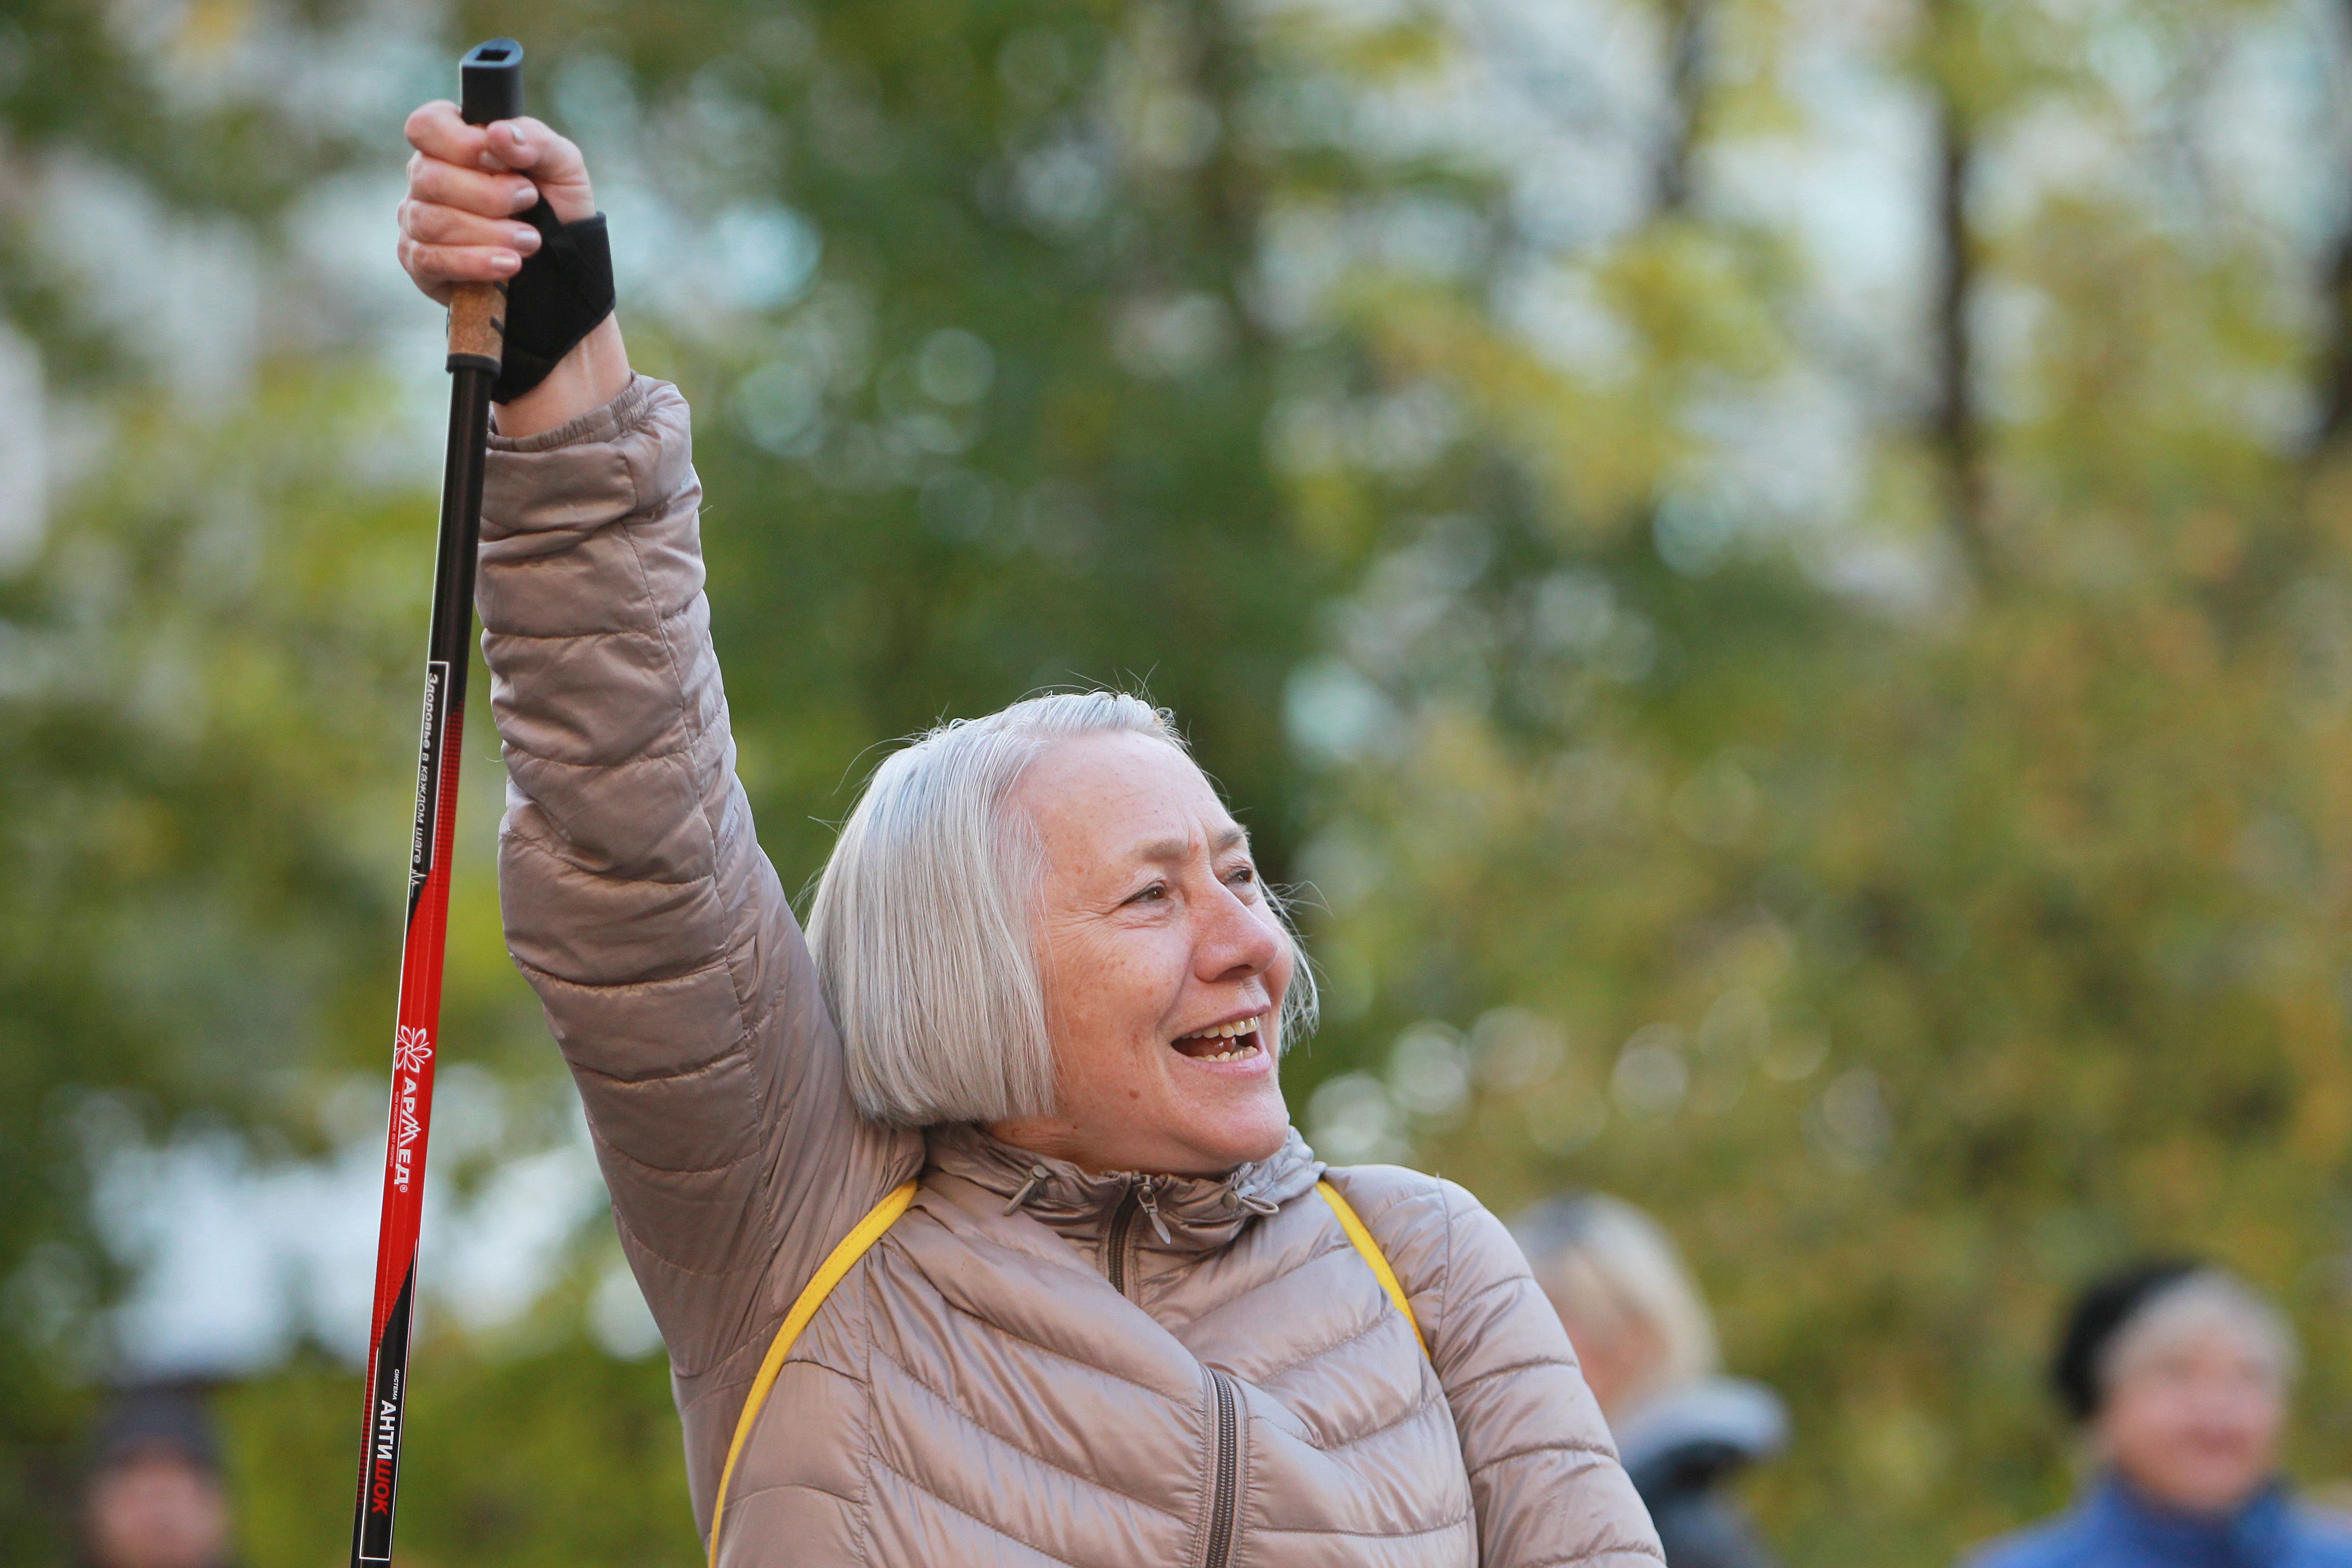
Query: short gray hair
[(2199, 1302), (922, 930)]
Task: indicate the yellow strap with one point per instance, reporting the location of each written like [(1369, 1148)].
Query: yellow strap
[(853, 1246), (869, 1230), (1362, 1237)]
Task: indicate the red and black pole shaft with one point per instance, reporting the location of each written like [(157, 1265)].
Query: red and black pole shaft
[(491, 77)]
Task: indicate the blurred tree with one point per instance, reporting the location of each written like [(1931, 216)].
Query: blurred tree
[(171, 760), (971, 300), (555, 1455), (1846, 752), (1915, 950)]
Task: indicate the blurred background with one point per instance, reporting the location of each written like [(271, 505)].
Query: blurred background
[(1778, 574)]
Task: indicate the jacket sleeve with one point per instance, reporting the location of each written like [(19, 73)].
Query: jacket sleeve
[(639, 905), (1543, 1475)]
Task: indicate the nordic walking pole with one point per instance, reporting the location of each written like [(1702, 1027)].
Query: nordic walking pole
[(491, 78)]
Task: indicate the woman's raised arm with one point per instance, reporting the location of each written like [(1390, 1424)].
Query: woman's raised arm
[(636, 898)]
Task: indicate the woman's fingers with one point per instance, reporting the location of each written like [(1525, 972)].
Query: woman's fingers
[(441, 244), (437, 131), (448, 184), (553, 162), (458, 263), (467, 186), (434, 224), (438, 269)]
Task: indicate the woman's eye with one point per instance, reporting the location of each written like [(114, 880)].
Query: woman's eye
[(1156, 893), (1242, 876)]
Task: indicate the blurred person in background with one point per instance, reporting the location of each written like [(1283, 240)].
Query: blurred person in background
[(2176, 1375), (154, 1496), (1648, 1349)]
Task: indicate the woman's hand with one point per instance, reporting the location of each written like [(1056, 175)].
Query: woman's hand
[(469, 186)]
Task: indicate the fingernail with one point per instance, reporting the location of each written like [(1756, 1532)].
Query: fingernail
[(523, 237), (525, 198), (506, 261)]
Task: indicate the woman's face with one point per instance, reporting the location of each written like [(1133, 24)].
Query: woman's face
[(155, 1509), (2192, 1423), (1621, 1360), (1164, 965)]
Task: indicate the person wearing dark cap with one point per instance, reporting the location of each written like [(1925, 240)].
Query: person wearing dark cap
[(2177, 1374), (1647, 1345), (153, 1497)]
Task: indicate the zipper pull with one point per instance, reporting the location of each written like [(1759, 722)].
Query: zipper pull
[(1250, 1203), (1038, 1177), (1149, 1199)]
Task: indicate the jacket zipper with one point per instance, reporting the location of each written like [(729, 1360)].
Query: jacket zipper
[(1123, 1221), (1222, 1503)]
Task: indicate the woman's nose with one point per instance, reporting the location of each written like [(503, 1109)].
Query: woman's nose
[(1240, 941)]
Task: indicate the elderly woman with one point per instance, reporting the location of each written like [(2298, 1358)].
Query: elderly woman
[(975, 1224), (1646, 1343), (2176, 1375)]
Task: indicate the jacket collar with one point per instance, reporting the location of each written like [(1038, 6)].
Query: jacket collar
[(2258, 1535), (1182, 1214)]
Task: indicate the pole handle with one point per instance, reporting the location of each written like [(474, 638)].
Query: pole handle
[(490, 82), (478, 327)]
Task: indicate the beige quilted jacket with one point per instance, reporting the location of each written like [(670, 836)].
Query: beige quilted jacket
[(1035, 1365)]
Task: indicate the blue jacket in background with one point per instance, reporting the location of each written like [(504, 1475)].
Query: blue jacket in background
[(2114, 1527)]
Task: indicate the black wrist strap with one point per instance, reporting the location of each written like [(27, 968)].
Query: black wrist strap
[(564, 290)]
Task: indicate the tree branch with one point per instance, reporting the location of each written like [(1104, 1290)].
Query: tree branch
[(1686, 85), (1957, 425), (2335, 373)]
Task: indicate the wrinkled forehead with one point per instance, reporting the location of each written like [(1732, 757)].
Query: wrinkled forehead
[(1114, 800)]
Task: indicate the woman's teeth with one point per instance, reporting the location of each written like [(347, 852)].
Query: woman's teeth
[(1243, 1036)]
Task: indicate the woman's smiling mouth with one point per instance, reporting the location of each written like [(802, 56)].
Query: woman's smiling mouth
[(1232, 1042)]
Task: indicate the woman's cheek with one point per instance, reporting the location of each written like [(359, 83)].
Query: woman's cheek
[(1284, 967), (1130, 985)]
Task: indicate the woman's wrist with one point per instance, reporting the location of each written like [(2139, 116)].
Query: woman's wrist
[(594, 372)]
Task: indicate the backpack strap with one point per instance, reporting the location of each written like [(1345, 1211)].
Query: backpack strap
[(1363, 1237), (868, 1231), (853, 1246)]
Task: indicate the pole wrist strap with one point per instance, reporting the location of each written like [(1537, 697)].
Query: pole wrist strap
[(564, 290)]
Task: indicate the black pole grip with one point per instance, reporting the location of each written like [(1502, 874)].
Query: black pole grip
[(490, 76)]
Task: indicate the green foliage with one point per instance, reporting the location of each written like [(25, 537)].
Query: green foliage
[(555, 1456), (1911, 943)]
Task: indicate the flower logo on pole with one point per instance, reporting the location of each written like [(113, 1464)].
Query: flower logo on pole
[(411, 1049)]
